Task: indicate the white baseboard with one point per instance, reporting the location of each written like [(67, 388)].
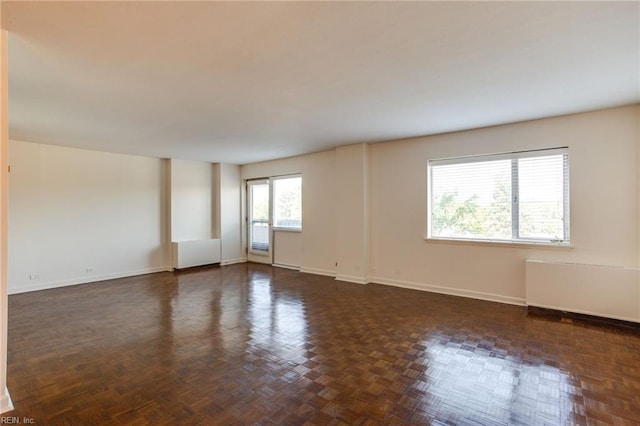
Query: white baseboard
[(280, 265), (233, 261), (352, 279), (16, 289), (491, 297), (5, 402), (325, 272)]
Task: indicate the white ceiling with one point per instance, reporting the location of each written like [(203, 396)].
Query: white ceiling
[(243, 82)]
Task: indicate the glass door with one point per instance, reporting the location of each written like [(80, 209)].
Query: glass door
[(259, 223)]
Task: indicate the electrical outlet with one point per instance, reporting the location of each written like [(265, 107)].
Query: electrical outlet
[(34, 277), (89, 269)]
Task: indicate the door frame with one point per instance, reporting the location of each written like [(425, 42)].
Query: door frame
[(258, 255)]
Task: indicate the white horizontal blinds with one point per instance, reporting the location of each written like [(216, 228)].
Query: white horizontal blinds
[(287, 202), (518, 196), (541, 198), (471, 200)]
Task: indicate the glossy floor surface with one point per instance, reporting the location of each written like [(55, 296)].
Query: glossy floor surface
[(251, 344)]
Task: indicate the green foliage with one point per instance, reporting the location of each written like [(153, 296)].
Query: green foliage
[(452, 216), (461, 217), (289, 204), (456, 217), (260, 207), (531, 226), (499, 214)]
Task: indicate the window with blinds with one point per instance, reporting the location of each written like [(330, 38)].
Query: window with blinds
[(519, 197)]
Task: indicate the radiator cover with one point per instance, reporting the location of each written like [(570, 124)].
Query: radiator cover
[(187, 254), (606, 291)]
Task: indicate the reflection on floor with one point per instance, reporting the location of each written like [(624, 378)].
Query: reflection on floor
[(249, 343)]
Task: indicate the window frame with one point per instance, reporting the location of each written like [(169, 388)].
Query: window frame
[(515, 239), (274, 227)]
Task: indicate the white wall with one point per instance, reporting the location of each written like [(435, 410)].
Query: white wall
[(603, 156), (206, 204), (605, 218), (287, 249), (80, 216), (72, 209), (318, 205), (192, 186)]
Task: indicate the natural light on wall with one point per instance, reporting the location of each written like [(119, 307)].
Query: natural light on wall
[(512, 197)]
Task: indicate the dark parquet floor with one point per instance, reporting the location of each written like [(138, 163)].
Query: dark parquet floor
[(252, 344)]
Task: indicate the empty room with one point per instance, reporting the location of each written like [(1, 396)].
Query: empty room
[(314, 213)]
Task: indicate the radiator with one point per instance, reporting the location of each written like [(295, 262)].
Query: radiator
[(195, 253), (606, 291)]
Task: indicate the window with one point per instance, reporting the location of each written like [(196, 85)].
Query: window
[(518, 197), (287, 202)]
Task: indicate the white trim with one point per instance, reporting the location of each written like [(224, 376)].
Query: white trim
[(258, 260), (490, 297), (257, 255), (283, 229), (352, 279), (501, 243), (512, 157), (315, 271), (233, 261), (580, 311), (282, 265), (85, 280), (543, 152), (5, 402)]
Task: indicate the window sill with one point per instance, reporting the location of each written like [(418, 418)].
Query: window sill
[(499, 243), (298, 230)]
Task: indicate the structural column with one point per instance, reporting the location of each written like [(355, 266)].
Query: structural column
[(638, 177), (352, 213)]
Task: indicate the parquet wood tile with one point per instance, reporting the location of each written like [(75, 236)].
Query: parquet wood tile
[(252, 344)]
